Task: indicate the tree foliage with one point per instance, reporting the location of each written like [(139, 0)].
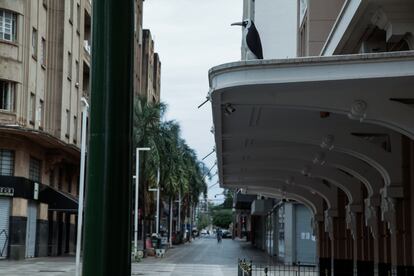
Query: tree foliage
[(203, 221), (222, 218), (180, 170)]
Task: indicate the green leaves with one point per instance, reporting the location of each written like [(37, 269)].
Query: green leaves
[(180, 169)]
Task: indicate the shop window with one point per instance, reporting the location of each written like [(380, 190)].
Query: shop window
[(8, 25), (7, 94), (35, 168), (6, 162)]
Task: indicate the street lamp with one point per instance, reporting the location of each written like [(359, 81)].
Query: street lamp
[(157, 227), (137, 200), (85, 107)]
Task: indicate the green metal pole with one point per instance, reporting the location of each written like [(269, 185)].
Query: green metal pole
[(107, 244)]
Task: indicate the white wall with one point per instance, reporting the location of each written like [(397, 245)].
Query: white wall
[(276, 21)]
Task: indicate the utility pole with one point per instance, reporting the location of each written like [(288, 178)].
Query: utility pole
[(107, 248), (171, 221), (157, 190), (179, 212)]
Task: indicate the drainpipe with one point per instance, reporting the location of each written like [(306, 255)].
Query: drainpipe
[(107, 249)]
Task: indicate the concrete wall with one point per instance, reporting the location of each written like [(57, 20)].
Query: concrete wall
[(322, 15), (276, 22)]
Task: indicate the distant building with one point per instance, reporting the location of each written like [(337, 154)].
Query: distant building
[(151, 70)]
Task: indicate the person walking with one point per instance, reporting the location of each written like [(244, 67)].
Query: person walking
[(219, 235)]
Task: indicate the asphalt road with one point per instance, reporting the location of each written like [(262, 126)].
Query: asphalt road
[(199, 258)]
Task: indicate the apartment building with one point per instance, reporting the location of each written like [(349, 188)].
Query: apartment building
[(151, 70), (330, 128), (45, 65)]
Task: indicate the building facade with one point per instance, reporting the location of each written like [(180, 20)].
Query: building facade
[(151, 70), (45, 65), (331, 128)]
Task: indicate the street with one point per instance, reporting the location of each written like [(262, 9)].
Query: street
[(201, 257)]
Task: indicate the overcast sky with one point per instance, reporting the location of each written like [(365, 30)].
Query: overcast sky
[(192, 36)]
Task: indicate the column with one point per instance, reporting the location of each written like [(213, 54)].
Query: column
[(18, 226), (107, 249)]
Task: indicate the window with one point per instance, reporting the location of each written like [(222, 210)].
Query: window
[(69, 181), (78, 11), (67, 123), (32, 107), (71, 3), (6, 162), (34, 43), (75, 129), (35, 168), (303, 6), (77, 73), (60, 178), (52, 178), (7, 95), (69, 65), (43, 52), (41, 114), (8, 25)]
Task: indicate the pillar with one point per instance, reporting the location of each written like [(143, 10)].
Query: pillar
[(342, 253), (107, 248), (324, 250), (42, 231), (18, 227)]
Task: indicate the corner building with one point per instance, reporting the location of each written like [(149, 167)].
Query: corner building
[(45, 65), (44, 50)]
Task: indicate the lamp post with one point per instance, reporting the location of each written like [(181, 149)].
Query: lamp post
[(157, 222), (137, 199), (85, 107), (179, 212)]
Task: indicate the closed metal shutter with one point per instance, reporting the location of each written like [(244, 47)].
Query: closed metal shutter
[(4, 226), (31, 230), (305, 241)]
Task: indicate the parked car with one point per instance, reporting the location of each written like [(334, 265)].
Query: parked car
[(226, 234)]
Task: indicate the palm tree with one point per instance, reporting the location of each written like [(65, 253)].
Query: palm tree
[(180, 171)]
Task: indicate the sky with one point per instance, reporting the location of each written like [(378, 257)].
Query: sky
[(191, 36)]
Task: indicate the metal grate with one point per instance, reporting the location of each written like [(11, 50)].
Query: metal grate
[(250, 269)]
